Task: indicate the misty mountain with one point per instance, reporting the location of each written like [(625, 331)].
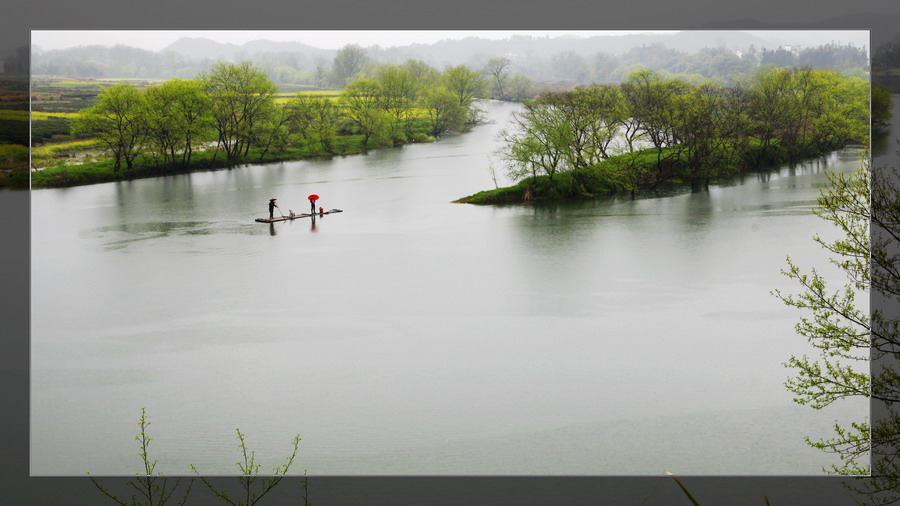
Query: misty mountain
[(565, 61), (198, 47)]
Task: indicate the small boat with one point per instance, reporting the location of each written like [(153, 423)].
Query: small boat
[(293, 216)]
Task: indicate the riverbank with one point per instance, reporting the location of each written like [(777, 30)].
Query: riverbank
[(612, 176), (102, 171)]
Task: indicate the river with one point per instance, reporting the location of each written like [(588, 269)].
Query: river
[(410, 335)]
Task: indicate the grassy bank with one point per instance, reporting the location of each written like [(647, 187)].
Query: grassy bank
[(66, 173), (608, 177)]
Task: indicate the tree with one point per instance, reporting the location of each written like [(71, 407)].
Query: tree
[(178, 115), (348, 62), (846, 334), (443, 110), (362, 101), (242, 97), (398, 92), (520, 88), (423, 74), (712, 129), (650, 101), (540, 140), (570, 66), (603, 67), (770, 89), (274, 131), (496, 68), (881, 106), (315, 120), (466, 84), (117, 119)]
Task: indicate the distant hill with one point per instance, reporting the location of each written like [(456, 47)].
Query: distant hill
[(198, 47), (564, 60)]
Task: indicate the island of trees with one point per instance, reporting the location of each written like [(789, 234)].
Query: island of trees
[(649, 130)]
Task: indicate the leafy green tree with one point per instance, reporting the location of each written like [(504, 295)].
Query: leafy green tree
[(844, 114), (770, 109), (539, 141), (398, 93), (242, 98), (177, 116), (847, 334), (520, 88), (466, 84), (117, 119), (881, 106), (362, 105), (712, 131), (650, 101), (315, 121), (424, 75), (274, 131), (443, 110)]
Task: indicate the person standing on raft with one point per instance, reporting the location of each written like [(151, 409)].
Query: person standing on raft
[(272, 206), (312, 203)]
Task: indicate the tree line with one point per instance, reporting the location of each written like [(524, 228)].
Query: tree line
[(235, 107), (650, 129), (548, 62)]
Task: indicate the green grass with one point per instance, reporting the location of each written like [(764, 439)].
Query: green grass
[(61, 173), (15, 115)]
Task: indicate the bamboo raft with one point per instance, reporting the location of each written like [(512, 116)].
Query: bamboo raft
[(290, 217)]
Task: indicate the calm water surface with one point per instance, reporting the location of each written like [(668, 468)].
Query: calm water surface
[(410, 335)]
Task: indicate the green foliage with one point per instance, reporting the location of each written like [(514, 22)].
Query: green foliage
[(697, 132), (466, 84), (178, 117), (253, 490), (150, 485), (117, 120), (881, 106), (443, 110), (171, 123), (348, 62), (362, 101), (155, 490), (242, 99), (315, 120), (847, 334)]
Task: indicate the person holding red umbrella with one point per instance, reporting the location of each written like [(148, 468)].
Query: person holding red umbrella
[(312, 203)]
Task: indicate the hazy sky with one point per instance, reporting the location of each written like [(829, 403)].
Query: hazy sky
[(156, 40)]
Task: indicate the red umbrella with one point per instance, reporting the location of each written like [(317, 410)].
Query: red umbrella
[(313, 197)]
